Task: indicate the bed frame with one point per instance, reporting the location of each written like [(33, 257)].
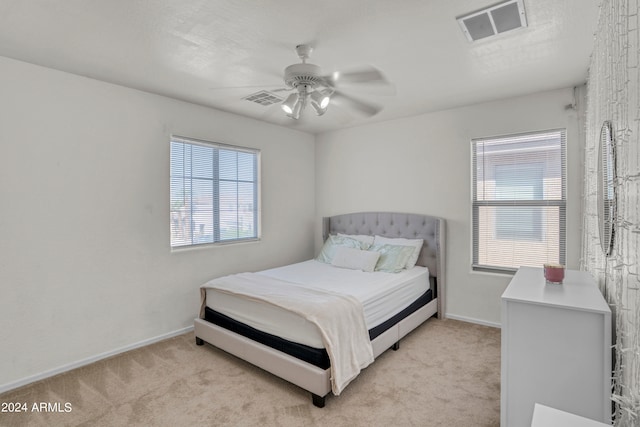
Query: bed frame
[(317, 380)]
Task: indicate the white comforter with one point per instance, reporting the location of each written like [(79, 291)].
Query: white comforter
[(339, 318)]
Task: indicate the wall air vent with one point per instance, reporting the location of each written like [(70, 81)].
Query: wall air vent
[(263, 98), (493, 20)]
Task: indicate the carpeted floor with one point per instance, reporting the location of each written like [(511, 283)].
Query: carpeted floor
[(446, 373)]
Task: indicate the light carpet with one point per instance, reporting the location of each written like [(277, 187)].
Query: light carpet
[(446, 373)]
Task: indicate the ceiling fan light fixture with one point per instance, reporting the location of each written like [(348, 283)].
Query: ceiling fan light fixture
[(319, 111), (326, 97), (289, 104), (320, 101), (298, 107)]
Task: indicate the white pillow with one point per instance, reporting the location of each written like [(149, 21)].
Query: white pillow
[(355, 259), (364, 238), (399, 241)]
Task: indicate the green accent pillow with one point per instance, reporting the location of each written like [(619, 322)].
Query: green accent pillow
[(392, 258), (328, 250)]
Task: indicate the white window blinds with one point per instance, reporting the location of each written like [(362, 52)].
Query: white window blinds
[(214, 192), (519, 200)]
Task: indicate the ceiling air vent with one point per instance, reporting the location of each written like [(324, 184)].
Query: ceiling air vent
[(263, 98), (496, 19)]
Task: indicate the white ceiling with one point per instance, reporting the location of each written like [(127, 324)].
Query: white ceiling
[(202, 51)]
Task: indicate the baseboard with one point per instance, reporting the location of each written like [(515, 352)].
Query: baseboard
[(43, 375), (473, 320)]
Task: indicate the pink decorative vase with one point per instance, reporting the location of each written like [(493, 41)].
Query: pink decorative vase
[(554, 273)]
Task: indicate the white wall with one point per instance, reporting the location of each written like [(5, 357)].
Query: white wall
[(422, 164), (85, 263)]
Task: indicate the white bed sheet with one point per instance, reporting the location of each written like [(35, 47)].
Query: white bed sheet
[(382, 296)]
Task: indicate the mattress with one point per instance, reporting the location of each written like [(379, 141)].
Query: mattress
[(382, 296), (314, 356)]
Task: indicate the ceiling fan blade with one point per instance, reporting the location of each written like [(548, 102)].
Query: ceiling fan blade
[(276, 88), (362, 107), (366, 74), (370, 89)]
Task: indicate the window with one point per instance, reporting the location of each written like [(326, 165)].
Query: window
[(519, 200), (214, 193), (522, 183)]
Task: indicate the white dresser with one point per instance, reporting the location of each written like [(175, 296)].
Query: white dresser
[(543, 416), (556, 347)]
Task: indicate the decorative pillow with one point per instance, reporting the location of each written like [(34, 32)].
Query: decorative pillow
[(392, 258), (333, 242), (355, 259), (362, 237), (416, 244)]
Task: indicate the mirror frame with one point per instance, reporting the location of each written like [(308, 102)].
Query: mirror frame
[(606, 187)]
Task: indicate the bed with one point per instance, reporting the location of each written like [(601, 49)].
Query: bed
[(293, 353)]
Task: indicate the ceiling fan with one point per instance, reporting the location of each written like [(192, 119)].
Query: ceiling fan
[(311, 87)]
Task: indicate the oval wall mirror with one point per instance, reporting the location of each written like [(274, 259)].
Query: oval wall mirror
[(606, 187)]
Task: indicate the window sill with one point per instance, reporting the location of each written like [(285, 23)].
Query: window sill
[(495, 273), (189, 248)]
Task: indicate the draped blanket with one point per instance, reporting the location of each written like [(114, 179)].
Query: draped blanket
[(339, 318)]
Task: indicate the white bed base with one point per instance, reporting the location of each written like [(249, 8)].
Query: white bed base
[(296, 371)]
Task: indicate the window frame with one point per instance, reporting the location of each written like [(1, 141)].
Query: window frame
[(477, 204), (216, 179)]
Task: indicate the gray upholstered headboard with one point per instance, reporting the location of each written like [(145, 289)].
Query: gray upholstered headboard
[(410, 226)]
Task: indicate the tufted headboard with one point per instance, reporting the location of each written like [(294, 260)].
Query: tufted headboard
[(410, 226)]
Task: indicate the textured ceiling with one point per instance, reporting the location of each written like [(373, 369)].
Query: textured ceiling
[(215, 52)]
